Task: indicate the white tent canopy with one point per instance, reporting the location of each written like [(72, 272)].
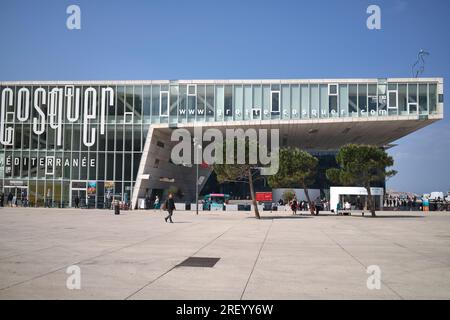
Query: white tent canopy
[(336, 192)]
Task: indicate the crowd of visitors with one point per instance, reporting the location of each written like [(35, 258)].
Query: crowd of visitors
[(11, 200), (402, 203), (295, 205)]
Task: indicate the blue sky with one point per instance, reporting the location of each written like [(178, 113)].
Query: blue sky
[(239, 39)]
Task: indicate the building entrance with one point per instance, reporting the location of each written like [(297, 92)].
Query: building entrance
[(78, 194), (20, 195)]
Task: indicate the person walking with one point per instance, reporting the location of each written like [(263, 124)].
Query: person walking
[(108, 199), (156, 205), (312, 207), (294, 205), (2, 199), (10, 199), (169, 205), (77, 201), (49, 198), (24, 198), (317, 208)]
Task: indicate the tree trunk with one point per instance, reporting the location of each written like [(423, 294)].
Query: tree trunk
[(252, 193), (370, 202), (311, 209)]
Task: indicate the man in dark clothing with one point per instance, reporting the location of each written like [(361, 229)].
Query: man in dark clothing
[(169, 206), (24, 198), (2, 199), (10, 199), (77, 202), (294, 206), (317, 208)]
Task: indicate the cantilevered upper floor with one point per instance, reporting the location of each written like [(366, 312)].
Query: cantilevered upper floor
[(184, 101)]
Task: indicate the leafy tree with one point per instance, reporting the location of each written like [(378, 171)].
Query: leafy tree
[(296, 167), (235, 172), (288, 195), (362, 165)]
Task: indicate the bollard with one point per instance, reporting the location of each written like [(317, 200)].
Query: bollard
[(117, 208)]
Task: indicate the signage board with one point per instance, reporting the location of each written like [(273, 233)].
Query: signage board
[(263, 196)]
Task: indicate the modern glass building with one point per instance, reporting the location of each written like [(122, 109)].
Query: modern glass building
[(62, 140)]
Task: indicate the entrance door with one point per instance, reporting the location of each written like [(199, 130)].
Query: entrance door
[(79, 198), (20, 194)]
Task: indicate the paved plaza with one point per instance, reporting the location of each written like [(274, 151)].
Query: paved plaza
[(136, 255)]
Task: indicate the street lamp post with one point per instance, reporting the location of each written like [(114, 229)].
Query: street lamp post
[(197, 148), (196, 191)]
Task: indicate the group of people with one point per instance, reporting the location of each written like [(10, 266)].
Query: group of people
[(151, 204), (407, 203), (315, 206), (11, 199)]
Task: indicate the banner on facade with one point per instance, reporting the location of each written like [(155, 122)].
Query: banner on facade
[(92, 188)]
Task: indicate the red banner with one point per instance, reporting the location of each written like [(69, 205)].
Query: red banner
[(263, 196)]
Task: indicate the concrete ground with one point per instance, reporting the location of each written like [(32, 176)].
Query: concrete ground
[(135, 255)]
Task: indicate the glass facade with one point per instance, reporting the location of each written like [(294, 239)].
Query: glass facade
[(62, 141)]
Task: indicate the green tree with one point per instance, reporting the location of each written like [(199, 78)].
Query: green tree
[(288, 195), (234, 172), (361, 165), (296, 167)]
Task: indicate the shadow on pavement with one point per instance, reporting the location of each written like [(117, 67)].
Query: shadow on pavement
[(388, 217), (282, 217)]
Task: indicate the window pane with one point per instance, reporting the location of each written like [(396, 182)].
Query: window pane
[(433, 98), (266, 102), (423, 98), (314, 101), (402, 102), (412, 98), (333, 101), (372, 97), (173, 109), (228, 101), (343, 100), (210, 100), (295, 101), (155, 103), (120, 103), (182, 104), (333, 89), (275, 101), (412, 93), (247, 101), (305, 100), (164, 103), (147, 103), (362, 98), (220, 101), (353, 99), (285, 100), (238, 101), (324, 101), (392, 100)]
